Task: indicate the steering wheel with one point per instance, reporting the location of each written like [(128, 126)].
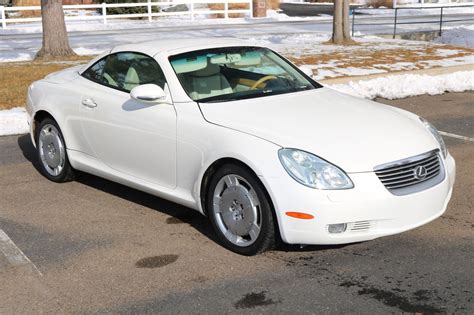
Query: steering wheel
[(262, 80)]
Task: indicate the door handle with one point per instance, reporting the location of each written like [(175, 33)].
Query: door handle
[(89, 102)]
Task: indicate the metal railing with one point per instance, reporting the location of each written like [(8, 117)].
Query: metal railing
[(422, 3), (192, 12), (396, 17)]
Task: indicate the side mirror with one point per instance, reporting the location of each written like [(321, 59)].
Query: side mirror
[(148, 93)]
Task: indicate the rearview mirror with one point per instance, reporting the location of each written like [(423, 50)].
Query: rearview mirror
[(149, 93)]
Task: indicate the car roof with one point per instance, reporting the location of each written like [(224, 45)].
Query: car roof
[(175, 46), (172, 46)]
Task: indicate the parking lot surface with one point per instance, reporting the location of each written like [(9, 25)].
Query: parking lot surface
[(93, 246)]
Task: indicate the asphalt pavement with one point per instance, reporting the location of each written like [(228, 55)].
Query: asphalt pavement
[(94, 246)]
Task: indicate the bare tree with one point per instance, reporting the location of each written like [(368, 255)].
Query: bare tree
[(341, 34), (55, 40)]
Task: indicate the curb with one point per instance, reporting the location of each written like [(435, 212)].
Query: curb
[(431, 71)]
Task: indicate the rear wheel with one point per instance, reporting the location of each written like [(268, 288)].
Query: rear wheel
[(240, 211), (52, 154)]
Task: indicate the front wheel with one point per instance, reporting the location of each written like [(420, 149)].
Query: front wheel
[(52, 154), (240, 211)]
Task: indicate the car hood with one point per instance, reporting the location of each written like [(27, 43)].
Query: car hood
[(63, 76), (352, 133)]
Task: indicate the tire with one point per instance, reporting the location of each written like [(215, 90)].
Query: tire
[(240, 211), (52, 153)]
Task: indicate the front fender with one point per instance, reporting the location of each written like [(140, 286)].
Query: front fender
[(60, 102)]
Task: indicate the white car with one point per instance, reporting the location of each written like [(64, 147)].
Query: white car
[(241, 135)]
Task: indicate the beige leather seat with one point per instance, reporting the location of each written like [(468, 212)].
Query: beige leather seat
[(208, 82), (131, 79), (110, 80)]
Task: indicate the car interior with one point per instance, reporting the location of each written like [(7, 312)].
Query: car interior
[(209, 75), (128, 70), (204, 75)]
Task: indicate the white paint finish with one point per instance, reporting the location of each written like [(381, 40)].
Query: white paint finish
[(368, 201), (13, 254), (165, 149), (129, 136), (358, 134)]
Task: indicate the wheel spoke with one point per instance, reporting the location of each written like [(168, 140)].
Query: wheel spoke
[(253, 198), (43, 133), (254, 231), (231, 180), (232, 237), (216, 202)]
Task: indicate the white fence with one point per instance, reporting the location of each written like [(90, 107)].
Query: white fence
[(191, 12), (428, 3)]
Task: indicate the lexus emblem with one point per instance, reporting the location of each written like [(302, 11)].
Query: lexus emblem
[(420, 172)]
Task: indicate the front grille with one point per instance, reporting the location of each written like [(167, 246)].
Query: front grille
[(412, 174)]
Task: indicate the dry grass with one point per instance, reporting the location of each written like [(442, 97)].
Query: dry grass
[(381, 3), (273, 4), (15, 77), (366, 57)]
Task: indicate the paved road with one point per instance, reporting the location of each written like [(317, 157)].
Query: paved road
[(100, 247), (101, 40)]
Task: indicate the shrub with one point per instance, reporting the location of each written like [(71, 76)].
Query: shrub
[(128, 10)]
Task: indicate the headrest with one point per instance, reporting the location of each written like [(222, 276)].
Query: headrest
[(211, 69), (185, 65)]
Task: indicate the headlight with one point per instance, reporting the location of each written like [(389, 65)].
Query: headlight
[(312, 171), (437, 136)]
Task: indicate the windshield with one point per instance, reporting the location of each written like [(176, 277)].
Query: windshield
[(233, 73)]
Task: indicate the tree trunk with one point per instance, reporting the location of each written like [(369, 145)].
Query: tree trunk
[(337, 22), (346, 26), (341, 34), (55, 40)]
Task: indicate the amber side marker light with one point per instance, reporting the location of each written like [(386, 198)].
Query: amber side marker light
[(300, 215)]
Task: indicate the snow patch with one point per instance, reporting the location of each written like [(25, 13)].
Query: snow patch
[(13, 121), (353, 71), (401, 86), (88, 51), (15, 57), (458, 36)]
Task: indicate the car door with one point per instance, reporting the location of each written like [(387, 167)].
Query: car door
[(130, 136)]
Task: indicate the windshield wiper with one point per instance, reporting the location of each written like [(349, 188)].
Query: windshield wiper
[(219, 100)]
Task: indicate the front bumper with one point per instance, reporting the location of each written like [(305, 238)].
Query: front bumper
[(30, 116), (369, 209)]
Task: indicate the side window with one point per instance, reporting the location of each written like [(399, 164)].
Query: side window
[(126, 70), (94, 73)]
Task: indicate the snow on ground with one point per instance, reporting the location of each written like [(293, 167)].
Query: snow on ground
[(406, 85), (9, 56), (372, 54), (459, 36), (118, 24), (12, 56), (96, 24), (13, 121)]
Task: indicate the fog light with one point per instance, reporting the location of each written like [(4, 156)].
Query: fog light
[(337, 228)]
